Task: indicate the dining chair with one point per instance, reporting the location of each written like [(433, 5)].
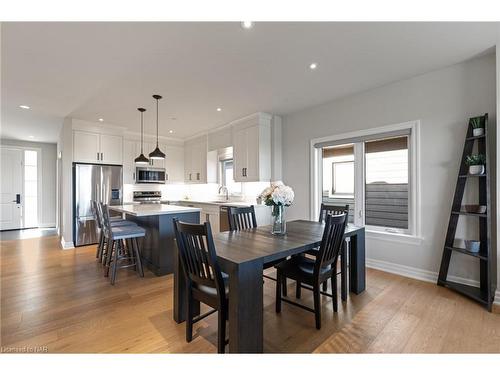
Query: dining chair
[(327, 209), (241, 218), (118, 255), (314, 272), (205, 281)]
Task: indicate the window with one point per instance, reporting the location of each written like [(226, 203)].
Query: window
[(374, 173), (227, 177), (30, 188)]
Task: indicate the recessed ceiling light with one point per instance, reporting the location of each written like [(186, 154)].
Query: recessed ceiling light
[(31, 136), (219, 109), (313, 66), (101, 119), (170, 131), (24, 106), (247, 24)]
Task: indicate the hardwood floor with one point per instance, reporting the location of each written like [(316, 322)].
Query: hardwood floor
[(59, 299)]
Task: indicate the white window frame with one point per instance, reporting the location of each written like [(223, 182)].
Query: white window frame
[(414, 207)]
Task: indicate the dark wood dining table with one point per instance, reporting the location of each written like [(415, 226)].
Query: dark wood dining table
[(242, 254)]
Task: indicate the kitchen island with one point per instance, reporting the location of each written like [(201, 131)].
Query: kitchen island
[(158, 246)]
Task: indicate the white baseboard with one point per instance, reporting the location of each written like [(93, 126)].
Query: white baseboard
[(416, 273), (66, 245), (47, 225), (497, 298)]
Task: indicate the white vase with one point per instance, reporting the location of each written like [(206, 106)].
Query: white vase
[(476, 169), (477, 132)]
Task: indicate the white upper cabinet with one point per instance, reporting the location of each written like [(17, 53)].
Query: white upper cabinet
[(252, 148), (200, 166), (86, 147), (129, 154), (174, 164), (89, 147), (111, 149)]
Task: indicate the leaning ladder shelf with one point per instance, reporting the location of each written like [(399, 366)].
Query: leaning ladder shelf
[(484, 294)]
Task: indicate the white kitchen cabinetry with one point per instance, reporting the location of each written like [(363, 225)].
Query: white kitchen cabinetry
[(97, 148), (252, 148), (174, 164), (200, 166), (129, 154)]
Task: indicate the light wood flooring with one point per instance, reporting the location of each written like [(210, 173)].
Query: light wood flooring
[(59, 299)]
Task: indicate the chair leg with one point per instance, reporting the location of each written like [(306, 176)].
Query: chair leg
[(284, 286), (334, 292), (317, 306), (138, 261), (107, 260), (99, 245), (189, 315), (325, 286), (298, 289), (278, 291), (221, 332), (115, 261)]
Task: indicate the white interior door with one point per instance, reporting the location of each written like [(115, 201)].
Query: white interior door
[(11, 189)]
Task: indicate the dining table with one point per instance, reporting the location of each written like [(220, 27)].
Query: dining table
[(242, 255)]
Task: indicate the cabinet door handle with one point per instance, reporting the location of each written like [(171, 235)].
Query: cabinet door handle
[(207, 217), (198, 176), (102, 158), (133, 177), (190, 177), (97, 156)]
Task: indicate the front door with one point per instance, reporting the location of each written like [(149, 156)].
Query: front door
[(11, 189)]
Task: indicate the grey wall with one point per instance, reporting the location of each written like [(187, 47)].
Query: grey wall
[(47, 215), (443, 101)]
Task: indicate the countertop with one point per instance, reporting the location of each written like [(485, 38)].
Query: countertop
[(152, 209), (219, 203)]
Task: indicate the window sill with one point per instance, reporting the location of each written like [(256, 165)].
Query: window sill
[(394, 237)]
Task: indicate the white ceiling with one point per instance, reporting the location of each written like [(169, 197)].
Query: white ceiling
[(107, 70)]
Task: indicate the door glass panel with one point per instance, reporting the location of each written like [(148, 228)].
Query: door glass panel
[(30, 188), (386, 186), (338, 177)]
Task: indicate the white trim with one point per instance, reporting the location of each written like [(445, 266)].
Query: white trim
[(393, 237), (414, 218), (47, 225), (415, 273), (497, 298), (66, 245)]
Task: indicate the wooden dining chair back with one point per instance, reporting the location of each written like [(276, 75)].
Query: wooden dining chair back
[(331, 243), (204, 278), (241, 218), (327, 209)]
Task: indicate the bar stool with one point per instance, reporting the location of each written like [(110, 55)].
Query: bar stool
[(115, 221), (117, 251)]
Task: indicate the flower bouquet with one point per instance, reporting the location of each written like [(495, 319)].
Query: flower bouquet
[(278, 196)]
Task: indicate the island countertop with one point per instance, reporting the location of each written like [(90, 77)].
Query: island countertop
[(153, 209)]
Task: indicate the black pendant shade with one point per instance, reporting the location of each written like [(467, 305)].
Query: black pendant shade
[(141, 159), (157, 153)]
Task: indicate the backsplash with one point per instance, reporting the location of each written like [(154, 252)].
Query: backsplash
[(250, 190)]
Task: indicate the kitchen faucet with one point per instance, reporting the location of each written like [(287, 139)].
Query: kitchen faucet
[(225, 191)]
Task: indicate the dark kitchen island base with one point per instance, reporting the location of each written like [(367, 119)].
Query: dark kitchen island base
[(157, 248)]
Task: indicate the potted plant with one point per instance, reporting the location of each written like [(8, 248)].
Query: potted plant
[(477, 126), (476, 163), (278, 196)]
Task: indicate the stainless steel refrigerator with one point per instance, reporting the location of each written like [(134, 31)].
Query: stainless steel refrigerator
[(102, 183)]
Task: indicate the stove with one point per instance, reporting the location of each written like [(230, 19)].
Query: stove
[(147, 197)]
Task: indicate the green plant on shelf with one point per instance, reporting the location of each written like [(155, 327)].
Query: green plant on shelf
[(476, 122), (475, 159)]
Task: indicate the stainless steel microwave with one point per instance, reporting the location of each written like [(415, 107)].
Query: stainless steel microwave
[(149, 175)]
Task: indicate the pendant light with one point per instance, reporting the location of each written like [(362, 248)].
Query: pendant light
[(156, 153), (141, 159)]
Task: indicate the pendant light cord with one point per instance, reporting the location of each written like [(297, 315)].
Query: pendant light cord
[(142, 133), (156, 123)]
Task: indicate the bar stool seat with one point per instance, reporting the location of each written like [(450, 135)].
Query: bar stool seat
[(127, 231)]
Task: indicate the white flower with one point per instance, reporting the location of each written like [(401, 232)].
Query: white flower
[(277, 194)]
